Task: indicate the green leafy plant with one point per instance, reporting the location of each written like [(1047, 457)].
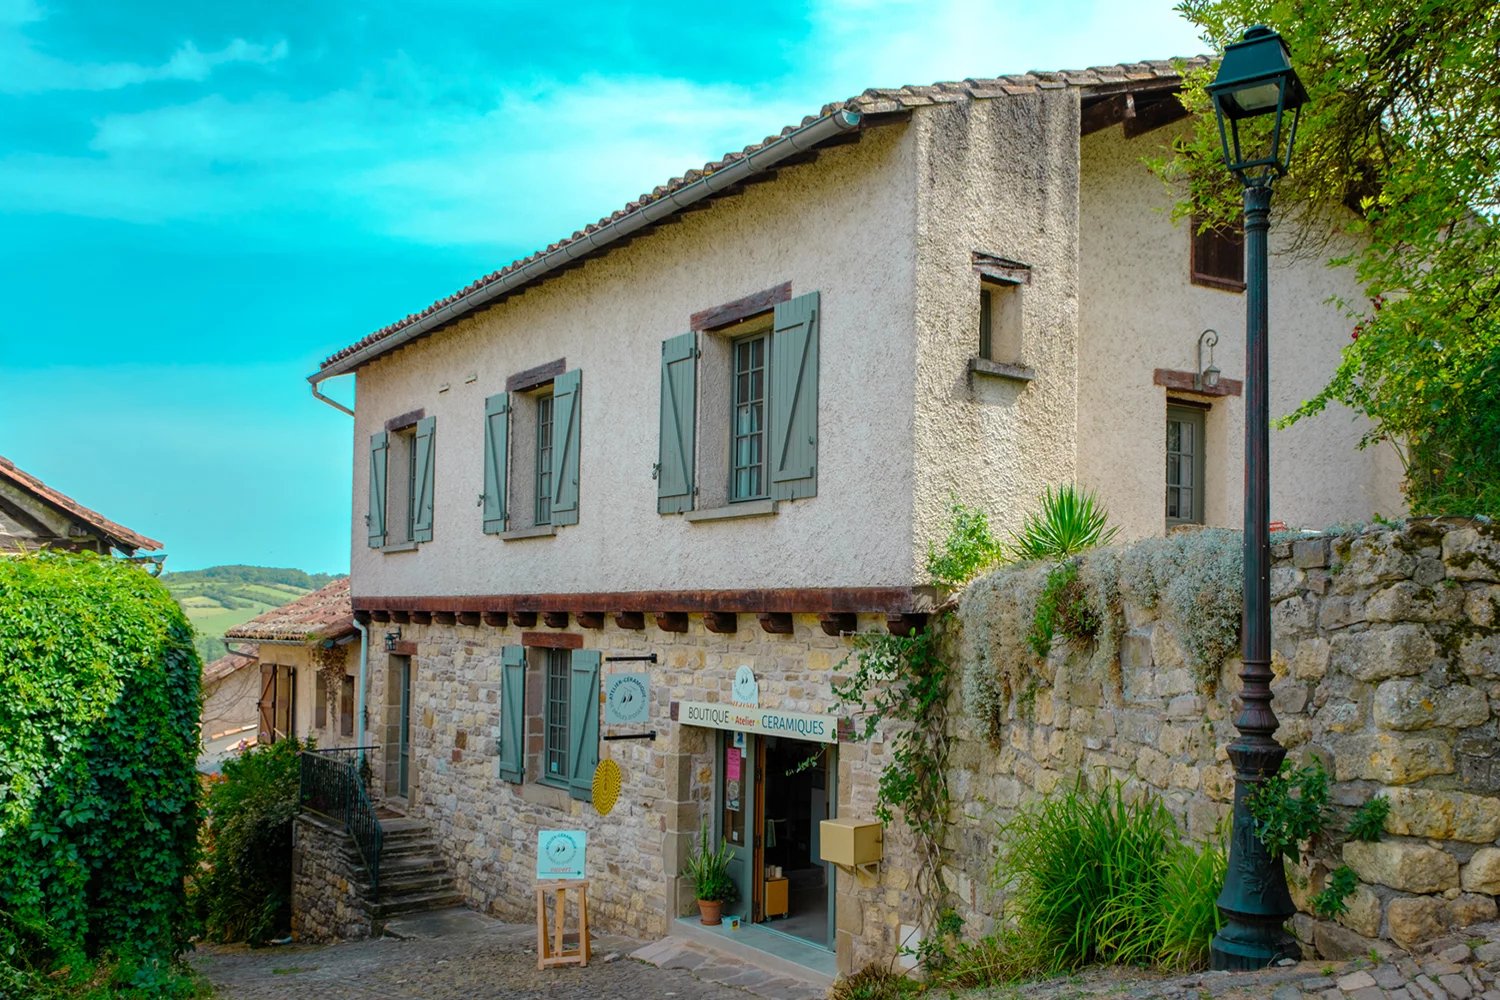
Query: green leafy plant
[(99, 734), (1062, 607), (969, 549), (1290, 808), (874, 982), (1333, 900), (244, 892), (1069, 522), (708, 867), (1369, 819)]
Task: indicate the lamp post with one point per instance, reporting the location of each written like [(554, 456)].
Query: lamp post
[(1253, 90)]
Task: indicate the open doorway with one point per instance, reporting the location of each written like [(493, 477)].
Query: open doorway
[(796, 793)]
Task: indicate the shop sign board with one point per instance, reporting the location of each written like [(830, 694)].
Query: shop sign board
[(627, 700), (560, 854), (761, 721), (746, 690)]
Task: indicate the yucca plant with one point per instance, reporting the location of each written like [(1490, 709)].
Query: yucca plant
[(1070, 521)]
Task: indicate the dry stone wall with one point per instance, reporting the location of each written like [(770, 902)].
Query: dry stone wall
[(1387, 663), (325, 906)]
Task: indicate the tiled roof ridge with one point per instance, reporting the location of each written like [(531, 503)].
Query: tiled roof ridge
[(873, 101), (325, 613), (94, 519)]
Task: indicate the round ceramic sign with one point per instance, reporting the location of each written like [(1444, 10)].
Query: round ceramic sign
[(606, 787)]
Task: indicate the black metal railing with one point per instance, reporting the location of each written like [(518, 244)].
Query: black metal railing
[(333, 782)]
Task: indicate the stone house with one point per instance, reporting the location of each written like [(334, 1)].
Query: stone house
[(687, 451), (34, 516), (295, 677)]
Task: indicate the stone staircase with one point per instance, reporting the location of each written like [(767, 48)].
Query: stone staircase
[(413, 875)]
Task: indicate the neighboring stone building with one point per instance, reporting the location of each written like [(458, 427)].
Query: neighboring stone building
[(33, 515), (694, 446), (297, 678)]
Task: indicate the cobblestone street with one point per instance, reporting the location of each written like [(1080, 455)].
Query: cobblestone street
[(461, 955)]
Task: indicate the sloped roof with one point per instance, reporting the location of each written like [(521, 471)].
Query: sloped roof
[(229, 663), (323, 614), (118, 535), (868, 108)]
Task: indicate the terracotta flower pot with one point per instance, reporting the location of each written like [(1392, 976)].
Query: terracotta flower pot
[(710, 912)]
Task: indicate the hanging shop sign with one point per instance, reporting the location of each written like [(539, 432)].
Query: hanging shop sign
[(746, 690), (627, 699), (763, 721), (560, 854)]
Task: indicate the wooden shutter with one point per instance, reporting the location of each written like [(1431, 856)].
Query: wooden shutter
[(512, 713), (566, 397), (496, 451), (346, 706), (679, 397), (320, 700), (267, 704), (375, 519), (794, 399), (424, 455), (583, 723), (1217, 256)]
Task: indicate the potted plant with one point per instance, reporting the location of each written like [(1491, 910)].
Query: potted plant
[(709, 869)]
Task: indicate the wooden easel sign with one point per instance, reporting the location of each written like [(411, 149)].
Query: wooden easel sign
[(560, 854), (560, 865)]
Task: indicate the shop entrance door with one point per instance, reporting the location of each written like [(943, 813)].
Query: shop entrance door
[(797, 794), (738, 825)]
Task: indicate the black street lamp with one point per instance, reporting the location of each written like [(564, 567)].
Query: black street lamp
[(1253, 90)]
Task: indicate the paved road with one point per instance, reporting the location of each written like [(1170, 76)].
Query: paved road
[(461, 955)]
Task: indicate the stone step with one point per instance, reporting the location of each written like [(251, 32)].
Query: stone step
[(390, 907), (406, 885)]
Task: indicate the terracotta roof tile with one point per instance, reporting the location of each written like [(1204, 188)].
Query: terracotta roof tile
[(119, 536), (229, 663), (875, 101), (323, 614)]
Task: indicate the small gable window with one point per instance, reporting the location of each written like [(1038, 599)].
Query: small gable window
[(1001, 338), (1216, 257)]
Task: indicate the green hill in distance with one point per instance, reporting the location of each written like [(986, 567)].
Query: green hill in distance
[(221, 597)]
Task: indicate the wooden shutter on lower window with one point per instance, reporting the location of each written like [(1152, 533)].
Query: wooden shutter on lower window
[(496, 451), (424, 454), (267, 704), (375, 519), (566, 410), (679, 392), (794, 399), (583, 722), (512, 713)]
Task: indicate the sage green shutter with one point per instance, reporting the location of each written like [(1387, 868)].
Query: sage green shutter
[(679, 392), (496, 450), (566, 397), (423, 454), (794, 399), (375, 519), (512, 713), (583, 723)]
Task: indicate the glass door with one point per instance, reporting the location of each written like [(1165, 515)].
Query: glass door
[(737, 818)]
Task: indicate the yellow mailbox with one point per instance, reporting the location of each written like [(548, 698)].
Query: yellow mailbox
[(851, 843)]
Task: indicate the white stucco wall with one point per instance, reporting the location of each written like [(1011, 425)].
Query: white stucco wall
[(1139, 312), (842, 226), (999, 176)]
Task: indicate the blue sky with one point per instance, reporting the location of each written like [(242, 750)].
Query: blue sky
[(198, 202)]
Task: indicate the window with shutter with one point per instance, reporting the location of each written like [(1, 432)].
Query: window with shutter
[(423, 479), (1216, 256), (320, 700), (1185, 462), (567, 400), (679, 399), (375, 518), (496, 456), (512, 713), (794, 399), (346, 706), (583, 722)]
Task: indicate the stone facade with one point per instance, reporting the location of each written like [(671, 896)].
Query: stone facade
[(1387, 662), (325, 905), (488, 828)]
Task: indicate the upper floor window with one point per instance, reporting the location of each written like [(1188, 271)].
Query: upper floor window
[(401, 481), (754, 364), (1216, 257), (532, 437), (748, 469)]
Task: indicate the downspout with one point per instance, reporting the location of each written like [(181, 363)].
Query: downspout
[(364, 670), (331, 402)]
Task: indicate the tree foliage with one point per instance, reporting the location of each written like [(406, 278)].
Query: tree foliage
[(1399, 146), (99, 707)]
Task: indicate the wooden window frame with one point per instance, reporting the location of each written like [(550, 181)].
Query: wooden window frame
[(557, 678), (1230, 245), (320, 700), (541, 464), (759, 467), (1196, 416), (347, 707)]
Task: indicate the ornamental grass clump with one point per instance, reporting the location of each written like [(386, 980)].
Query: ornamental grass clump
[(1070, 521)]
